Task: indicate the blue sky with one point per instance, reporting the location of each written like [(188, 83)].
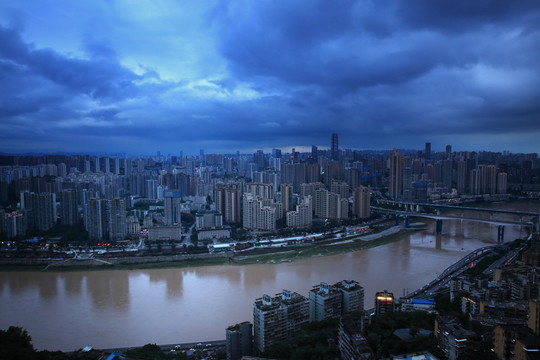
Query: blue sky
[(141, 76)]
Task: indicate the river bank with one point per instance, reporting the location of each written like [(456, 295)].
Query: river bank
[(254, 256)]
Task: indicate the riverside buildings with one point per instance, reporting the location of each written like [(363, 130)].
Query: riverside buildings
[(282, 316), (59, 187)]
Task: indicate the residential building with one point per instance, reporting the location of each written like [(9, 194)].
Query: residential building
[(239, 340), (396, 174), (172, 207), (384, 302), (324, 302), (362, 202), (278, 318)]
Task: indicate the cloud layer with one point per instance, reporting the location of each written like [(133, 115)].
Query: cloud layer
[(224, 76)]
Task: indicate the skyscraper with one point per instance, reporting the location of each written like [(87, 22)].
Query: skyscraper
[(361, 202), (335, 147), (314, 154), (68, 206), (427, 151), (228, 203), (172, 210), (287, 198), (396, 174)]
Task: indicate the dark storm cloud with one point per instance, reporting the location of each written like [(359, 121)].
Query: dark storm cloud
[(384, 76), (252, 74), (99, 78)]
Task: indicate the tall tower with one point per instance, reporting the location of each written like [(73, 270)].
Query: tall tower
[(361, 202), (396, 174), (427, 151), (287, 198), (172, 210), (228, 203), (117, 222), (335, 147)]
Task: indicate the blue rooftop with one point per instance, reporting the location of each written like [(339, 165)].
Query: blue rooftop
[(423, 301)]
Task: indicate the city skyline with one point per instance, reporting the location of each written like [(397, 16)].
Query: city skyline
[(107, 77)]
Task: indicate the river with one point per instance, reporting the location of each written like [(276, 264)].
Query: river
[(121, 308)]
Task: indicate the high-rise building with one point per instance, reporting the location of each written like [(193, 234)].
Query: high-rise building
[(239, 340), (228, 203), (502, 183), (341, 188), (303, 215), (151, 189), (329, 205), (475, 181), (264, 191), (259, 159), (278, 318), (427, 151), (107, 165), (106, 219), (351, 342), (335, 147), (257, 216), (96, 165), (62, 170), (40, 209), (461, 177), (314, 154), (384, 302), (93, 219), (172, 208), (68, 206), (294, 174), (330, 301), (396, 174), (117, 223), (446, 173), (324, 302), (308, 189), (353, 296), (116, 166), (287, 198), (362, 202)]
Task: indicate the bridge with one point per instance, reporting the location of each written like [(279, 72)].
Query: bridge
[(418, 206), (451, 271), (416, 209)]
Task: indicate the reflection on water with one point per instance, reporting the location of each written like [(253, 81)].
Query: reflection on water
[(104, 309)]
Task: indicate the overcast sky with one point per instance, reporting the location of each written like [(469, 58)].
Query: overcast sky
[(141, 76)]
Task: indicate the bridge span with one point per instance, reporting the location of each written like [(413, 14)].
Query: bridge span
[(453, 207), (452, 217)]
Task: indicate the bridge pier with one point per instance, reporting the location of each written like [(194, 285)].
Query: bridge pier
[(500, 234), (438, 226)]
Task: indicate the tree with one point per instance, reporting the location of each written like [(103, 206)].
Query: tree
[(15, 343)]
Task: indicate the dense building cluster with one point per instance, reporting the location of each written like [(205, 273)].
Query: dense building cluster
[(278, 318), (259, 191)]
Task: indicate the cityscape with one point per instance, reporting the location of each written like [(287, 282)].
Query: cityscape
[(250, 180), (63, 212)]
